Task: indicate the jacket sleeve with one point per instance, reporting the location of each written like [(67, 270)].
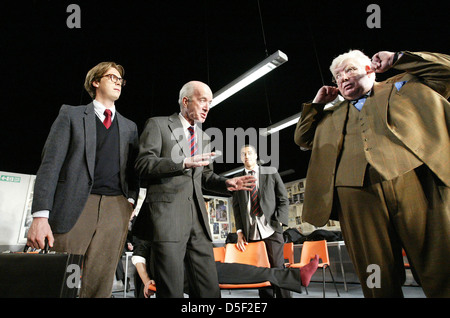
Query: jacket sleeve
[(282, 204), (237, 212), (307, 124), (432, 68), (53, 156), (132, 175), (150, 163)]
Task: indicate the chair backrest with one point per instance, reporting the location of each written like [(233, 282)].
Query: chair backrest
[(288, 252), (312, 248), (255, 254), (219, 254)]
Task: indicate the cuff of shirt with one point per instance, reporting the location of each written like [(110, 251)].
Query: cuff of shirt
[(41, 214), (137, 259)]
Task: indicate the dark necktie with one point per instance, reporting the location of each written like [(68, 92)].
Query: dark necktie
[(255, 208), (191, 141), (107, 121)]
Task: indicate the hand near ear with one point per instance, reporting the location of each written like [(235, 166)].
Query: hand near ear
[(382, 61)]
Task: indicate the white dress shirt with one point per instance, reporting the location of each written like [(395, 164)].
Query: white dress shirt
[(263, 228)]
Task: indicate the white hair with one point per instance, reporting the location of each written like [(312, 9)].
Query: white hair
[(355, 55), (186, 91)]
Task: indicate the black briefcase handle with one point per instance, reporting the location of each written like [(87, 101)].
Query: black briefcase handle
[(46, 249)]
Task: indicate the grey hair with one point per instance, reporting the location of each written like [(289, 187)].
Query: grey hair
[(186, 91), (354, 55)]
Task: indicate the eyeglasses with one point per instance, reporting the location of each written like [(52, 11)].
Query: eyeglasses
[(114, 79), (350, 71)]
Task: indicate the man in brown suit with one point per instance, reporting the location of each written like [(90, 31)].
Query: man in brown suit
[(380, 164)]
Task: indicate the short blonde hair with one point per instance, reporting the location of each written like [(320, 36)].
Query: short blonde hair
[(96, 73), (355, 55)]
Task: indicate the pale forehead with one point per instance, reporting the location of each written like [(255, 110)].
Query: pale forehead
[(201, 89), (249, 150), (114, 71), (346, 63)]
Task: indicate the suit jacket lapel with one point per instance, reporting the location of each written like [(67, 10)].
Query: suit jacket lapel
[(339, 120), (90, 136), (262, 180), (381, 98), (176, 129)]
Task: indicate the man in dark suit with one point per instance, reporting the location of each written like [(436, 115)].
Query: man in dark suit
[(86, 187), (174, 160), (261, 214), (379, 162)]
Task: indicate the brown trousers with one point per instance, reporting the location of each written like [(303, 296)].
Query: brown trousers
[(411, 211), (99, 235)]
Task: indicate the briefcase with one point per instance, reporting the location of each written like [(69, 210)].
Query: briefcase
[(39, 275)]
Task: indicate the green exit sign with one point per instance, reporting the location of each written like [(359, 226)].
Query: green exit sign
[(5, 178)]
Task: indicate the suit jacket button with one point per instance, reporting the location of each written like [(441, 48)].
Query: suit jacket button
[(90, 183)]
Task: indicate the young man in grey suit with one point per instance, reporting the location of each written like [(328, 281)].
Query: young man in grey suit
[(86, 187), (263, 217), (174, 159)]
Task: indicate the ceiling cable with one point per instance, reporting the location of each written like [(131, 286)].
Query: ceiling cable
[(267, 54)]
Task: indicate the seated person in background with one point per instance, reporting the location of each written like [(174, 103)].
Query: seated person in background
[(231, 273)]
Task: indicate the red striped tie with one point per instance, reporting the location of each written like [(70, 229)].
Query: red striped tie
[(107, 121), (192, 143), (255, 208)]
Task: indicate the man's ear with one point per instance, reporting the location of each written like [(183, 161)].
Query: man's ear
[(185, 101), (96, 84)]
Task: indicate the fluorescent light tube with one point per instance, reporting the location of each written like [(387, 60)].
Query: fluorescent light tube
[(264, 67)]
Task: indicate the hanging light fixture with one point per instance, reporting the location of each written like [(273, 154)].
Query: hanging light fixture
[(261, 69)]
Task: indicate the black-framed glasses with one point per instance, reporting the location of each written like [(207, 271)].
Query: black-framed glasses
[(115, 78)]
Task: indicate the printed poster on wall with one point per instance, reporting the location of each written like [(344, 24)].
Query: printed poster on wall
[(219, 218)]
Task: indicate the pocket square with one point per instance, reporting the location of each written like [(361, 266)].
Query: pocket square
[(399, 85)]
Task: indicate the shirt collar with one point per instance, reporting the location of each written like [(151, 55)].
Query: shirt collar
[(365, 96), (99, 109), (185, 123), (256, 169)]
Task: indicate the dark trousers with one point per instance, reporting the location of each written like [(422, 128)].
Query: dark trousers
[(99, 235), (275, 252), (193, 253), (410, 212), (234, 273)]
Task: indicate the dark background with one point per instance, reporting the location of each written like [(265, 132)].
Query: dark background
[(164, 44)]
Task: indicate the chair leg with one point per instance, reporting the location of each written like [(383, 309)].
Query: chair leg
[(323, 279), (333, 281)]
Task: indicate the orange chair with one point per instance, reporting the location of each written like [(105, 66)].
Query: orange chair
[(219, 254), (288, 252), (255, 254), (309, 250), (152, 287), (406, 262)]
